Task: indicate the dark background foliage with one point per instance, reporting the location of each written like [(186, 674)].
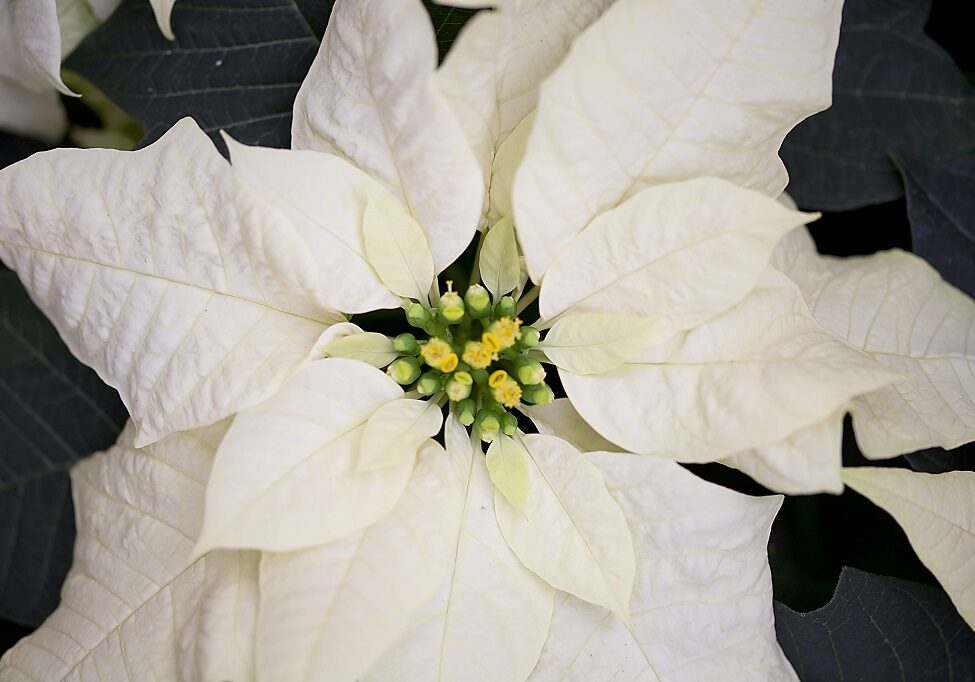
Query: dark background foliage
[(890, 165)]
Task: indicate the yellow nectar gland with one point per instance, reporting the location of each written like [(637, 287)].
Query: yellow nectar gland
[(450, 363), (491, 342), (497, 378), (477, 355), (436, 352), (507, 331)]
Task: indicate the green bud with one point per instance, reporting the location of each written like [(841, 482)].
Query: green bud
[(406, 343), (478, 301), (458, 386), (417, 315), (488, 424), (404, 371), (529, 337), (429, 383), (509, 424), (528, 371), (538, 394), (466, 411), (451, 307), (506, 307)]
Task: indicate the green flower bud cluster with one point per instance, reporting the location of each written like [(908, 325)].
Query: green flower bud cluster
[(476, 355)]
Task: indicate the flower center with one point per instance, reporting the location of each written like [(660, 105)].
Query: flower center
[(477, 355)]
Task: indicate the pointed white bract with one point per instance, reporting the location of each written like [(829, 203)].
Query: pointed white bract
[(325, 197), (30, 69), (370, 96), (702, 601), (397, 249), (132, 608), (572, 533), (560, 419), (935, 511), (596, 343), (696, 397), (898, 309), (499, 261), (395, 432), (194, 304), (508, 465), (807, 462), (490, 614), (285, 475), (493, 71), (680, 252), (663, 91), (163, 9), (330, 612), (371, 348)]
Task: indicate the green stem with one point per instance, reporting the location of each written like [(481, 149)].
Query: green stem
[(528, 299)]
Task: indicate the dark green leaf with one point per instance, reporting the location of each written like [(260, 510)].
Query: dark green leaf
[(447, 22), (53, 411), (893, 89), (938, 461), (877, 628), (13, 148), (941, 208), (235, 65)]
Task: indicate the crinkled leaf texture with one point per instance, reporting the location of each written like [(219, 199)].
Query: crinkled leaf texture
[(490, 614), (702, 601), (132, 608), (193, 305), (286, 477), (894, 90), (897, 308), (330, 612), (877, 628), (370, 97), (54, 412), (696, 397), (235, 65), (935, 510), (679, 102)]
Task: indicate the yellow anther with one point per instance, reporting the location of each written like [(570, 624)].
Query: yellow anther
[(450, 363), (507, 392), (507, 330), (491, 342), (435, 352), (497, 378), (477, 355)]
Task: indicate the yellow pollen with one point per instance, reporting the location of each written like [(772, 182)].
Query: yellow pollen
[(450, 363), (490, 342), (477, 355), (497, 378), (507, 331), (507, 392), (435, 352)]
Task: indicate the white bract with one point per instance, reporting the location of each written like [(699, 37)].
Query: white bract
[(35, 36), (601, 148)]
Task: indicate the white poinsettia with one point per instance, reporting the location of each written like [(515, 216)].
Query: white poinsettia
[(35, 37), (634, 180)]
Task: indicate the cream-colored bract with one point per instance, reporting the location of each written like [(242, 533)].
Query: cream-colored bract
[(935, 510), (757, 373), (35, 36), (572, 533), (499, 261), (194, 305), (371, 97), (702, 585), (895, 307), (596, 343), (507, 463), (285, 476), (328, 613), (132, 608), (487, 596), (640, 101)]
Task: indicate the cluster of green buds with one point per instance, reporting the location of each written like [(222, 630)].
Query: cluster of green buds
[(477, 354)]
